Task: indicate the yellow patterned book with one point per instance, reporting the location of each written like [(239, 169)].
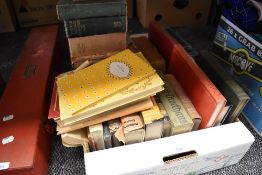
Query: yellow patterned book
[(86, 87)]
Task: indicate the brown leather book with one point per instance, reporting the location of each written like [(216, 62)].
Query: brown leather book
[(96, 46), (150, 52)]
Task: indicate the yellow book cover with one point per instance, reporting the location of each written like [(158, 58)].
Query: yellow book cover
[(152, 114), (88, 86)]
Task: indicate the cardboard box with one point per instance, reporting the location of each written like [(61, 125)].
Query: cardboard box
[(35, 12), (195, 153), (6, 17), (25, 142), (173, 13)]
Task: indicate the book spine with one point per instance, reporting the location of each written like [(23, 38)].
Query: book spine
[(184, 99), (176, 111), (107, 135), (87, 47), (95, 26), (87, 10)]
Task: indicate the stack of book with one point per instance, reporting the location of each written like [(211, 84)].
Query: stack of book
[(119, 100), (95, 29)]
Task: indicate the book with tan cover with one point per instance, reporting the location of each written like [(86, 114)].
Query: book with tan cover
[(133, 128), (74, 138), (181, 121), (126, 110), (96, 46), (84, 88), (96, 132), (191, 110)]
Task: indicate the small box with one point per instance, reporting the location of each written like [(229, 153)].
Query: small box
[(35, 12), (174, 13), (6, 17), (190, 153)]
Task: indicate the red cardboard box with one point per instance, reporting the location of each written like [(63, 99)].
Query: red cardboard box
[(25, 143)]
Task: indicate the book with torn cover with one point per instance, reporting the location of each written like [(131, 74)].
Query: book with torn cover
[(97, 134), (117, 132), (133, 128), (107, 135), (74, 138), (153, 120)]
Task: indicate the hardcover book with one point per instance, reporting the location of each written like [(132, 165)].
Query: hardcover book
[(86, 87), (234, 94), (54, 112), (241, 56), (133, 128), (191, 110), (180, 120), (161, 39), (153, 120), (107, 135), (72, 9), (150, 52), (139, 91), (96, 46), (167, 127), (74, 138), (97, 134), (117, 132), (117, 113), (95, 26), (212, 101)]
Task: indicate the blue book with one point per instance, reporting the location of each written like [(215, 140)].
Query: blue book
[(241, 56)]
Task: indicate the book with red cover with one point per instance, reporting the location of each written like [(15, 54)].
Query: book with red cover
[(54, 111), (161, 39), (206, 98), (24, 106)]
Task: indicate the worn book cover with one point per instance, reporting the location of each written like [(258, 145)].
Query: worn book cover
[(235, 95), (54, 112), (97, 134), (150, 52), (96, 46), (81, 89), (167, 127), (110, 115), (153, 120), (76, 9), (95, 26), (180, 119), (74, 138), (117, 132), (133, 128), (107, 135), (191, 110)]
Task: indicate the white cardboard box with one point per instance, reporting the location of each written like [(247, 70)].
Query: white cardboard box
[(215, 148)]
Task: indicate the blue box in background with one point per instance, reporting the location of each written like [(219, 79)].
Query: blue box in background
[(241, 56)]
